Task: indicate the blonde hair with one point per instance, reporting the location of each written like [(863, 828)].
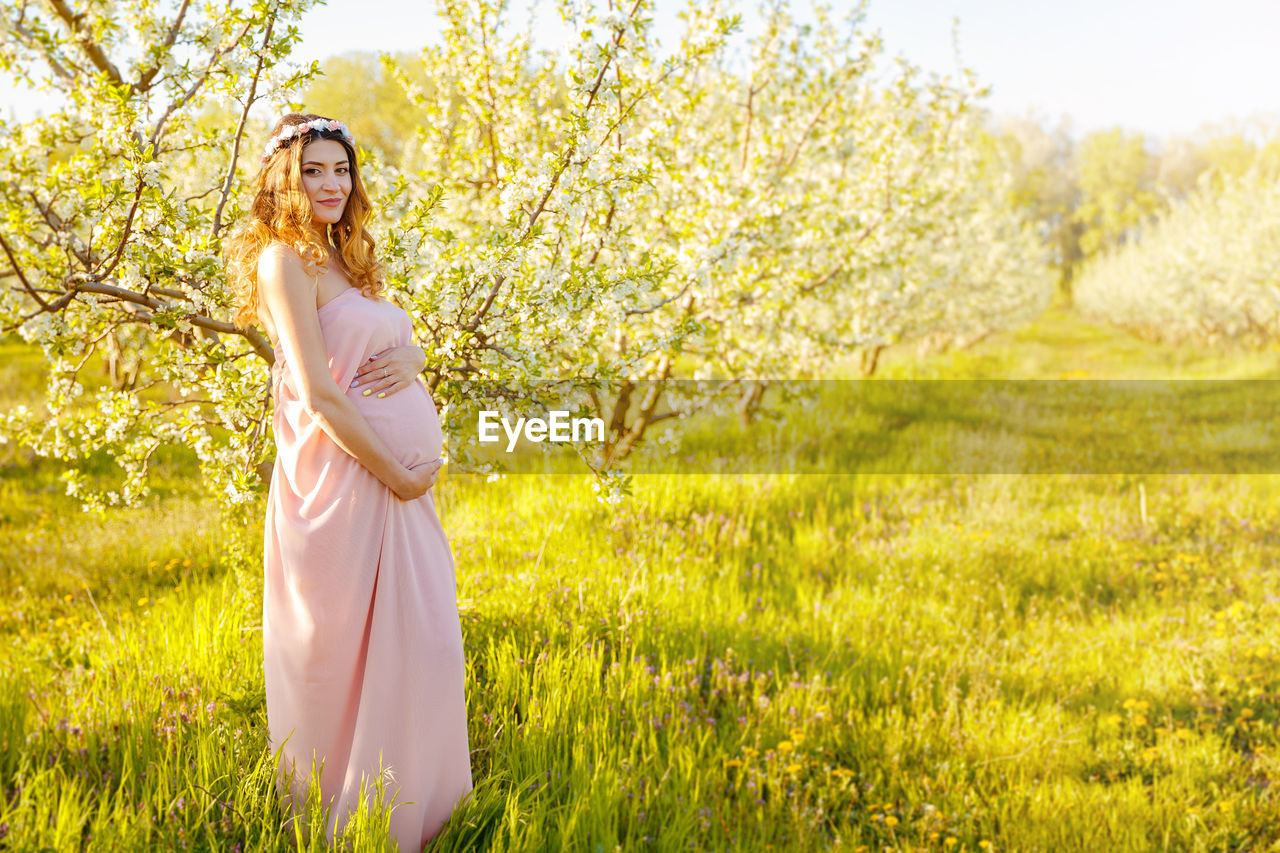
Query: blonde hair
[(282, 213)]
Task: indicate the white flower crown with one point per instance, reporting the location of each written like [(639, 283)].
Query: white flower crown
[(291, 130)]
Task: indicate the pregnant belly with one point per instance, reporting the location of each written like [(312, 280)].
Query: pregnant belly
[(406, 420)]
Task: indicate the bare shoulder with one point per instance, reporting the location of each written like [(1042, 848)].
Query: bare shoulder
[(281, 272), (276, 259), (284, 288)]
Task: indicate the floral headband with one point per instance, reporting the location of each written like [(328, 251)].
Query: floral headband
[(283, 138)]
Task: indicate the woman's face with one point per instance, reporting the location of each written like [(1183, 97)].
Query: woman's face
[(326, 179)]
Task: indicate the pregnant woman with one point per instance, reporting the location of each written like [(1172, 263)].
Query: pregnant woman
[(362, 644)]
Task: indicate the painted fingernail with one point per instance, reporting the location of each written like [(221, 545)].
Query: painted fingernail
[(382, 394), (355, 382), (366, 391)]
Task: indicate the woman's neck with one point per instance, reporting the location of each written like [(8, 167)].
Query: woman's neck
[(335, 258)]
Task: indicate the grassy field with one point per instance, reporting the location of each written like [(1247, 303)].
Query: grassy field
[(773, 662)]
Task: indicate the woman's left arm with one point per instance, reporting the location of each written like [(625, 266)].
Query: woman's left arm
[(391, 370)]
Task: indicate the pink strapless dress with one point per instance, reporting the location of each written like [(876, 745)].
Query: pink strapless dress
[(362, 644)]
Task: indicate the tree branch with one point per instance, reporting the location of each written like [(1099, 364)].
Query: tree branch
[(80, 283), (474, 322), (653, 308), (244, 118), (33, 43), (21, 276), (85, 256), (91, 48), (195, 87), (746, 137), (817, 115), (124, 234), (493, 101), (144, 82)]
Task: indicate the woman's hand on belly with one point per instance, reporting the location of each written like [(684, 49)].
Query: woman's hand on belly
[(389, 371), (419, 480)]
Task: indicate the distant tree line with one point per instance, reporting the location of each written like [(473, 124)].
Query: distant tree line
[(1100, 192)]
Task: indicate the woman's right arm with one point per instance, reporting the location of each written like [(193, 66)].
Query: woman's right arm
[(290, 298)]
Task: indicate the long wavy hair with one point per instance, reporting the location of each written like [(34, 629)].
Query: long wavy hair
[(282, 213)]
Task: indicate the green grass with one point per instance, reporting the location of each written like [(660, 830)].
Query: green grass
[(1061, 345), (721, 663)]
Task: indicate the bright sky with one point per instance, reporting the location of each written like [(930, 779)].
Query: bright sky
[(1160, 66)]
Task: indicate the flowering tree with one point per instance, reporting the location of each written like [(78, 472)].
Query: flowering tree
[(112, 209), (636, 219), (1206, 270), (627, 217)]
